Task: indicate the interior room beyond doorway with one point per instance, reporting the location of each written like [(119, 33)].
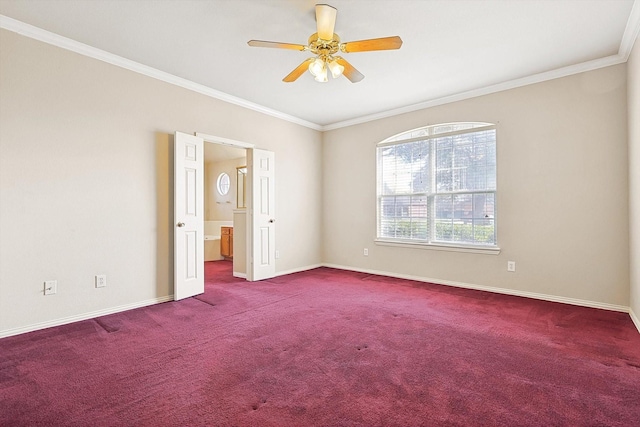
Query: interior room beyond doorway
[(224, 185)]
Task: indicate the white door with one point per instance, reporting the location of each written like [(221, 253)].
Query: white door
[(188, 216), (261, 233)]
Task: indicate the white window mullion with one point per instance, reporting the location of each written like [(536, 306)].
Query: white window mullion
[(432, 190)]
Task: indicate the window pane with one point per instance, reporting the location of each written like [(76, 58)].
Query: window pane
[(435, 130), (404, 168), (491, 164), (394, 213), (419, 133), (420, 167), (462, 232), (477, 170), (444, 207), (484, 232), (387, 217), (444, 217), (419, 212), (483, 205), (444, 230), (465, 218), (483, 214), (388, 165), (462, 218), (444, 160), (420, 229), (404, 217), (459, 164)]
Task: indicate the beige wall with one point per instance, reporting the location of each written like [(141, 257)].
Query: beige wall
[(562, 204), (634, 177), (220, 207), (86, 176)]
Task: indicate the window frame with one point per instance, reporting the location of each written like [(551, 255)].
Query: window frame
[(430, 132)]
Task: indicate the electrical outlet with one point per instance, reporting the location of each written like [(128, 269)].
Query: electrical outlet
[(101, 281), (50, 287), (365, 252), (511, 266), (277, 254)]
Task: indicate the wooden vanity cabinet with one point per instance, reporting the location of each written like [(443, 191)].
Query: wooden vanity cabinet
[(226, 242)]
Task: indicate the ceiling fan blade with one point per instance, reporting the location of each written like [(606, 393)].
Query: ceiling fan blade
[(261, 43), (326, 20), (349, 71), (384, 43), (300, 69)]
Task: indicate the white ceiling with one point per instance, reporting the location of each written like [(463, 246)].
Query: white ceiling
[(451, 49), (221, 152)]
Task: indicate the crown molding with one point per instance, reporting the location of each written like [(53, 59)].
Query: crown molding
[(48, 37), (631, 32), (511, 84)]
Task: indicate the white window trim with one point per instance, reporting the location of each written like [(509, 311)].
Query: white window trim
[(486, 250)]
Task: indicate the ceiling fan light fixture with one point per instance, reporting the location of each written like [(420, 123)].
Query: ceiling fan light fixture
[(316, 67), (335, 68), (322, 76)]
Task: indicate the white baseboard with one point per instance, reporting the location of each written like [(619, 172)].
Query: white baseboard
[(298, 270), (634, 319), (118, 309), (84, 316), (545, 297)]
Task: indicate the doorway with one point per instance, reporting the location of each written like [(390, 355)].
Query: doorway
[(224, 211), (189, 214)]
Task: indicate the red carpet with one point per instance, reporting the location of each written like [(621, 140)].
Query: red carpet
[(330, 348)]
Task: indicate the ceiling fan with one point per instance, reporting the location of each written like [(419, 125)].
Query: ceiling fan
[(325, 44)]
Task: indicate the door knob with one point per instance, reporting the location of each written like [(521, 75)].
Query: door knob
[(181, 224), (272, 220)]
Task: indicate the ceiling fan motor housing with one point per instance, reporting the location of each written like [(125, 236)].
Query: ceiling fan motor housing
[(324, 48)]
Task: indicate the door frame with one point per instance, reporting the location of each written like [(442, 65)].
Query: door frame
[(249, 203)]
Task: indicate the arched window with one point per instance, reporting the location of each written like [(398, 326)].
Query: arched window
[(223, 184), (437, 185)]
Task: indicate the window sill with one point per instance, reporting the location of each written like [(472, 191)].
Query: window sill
[(489, 250)]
